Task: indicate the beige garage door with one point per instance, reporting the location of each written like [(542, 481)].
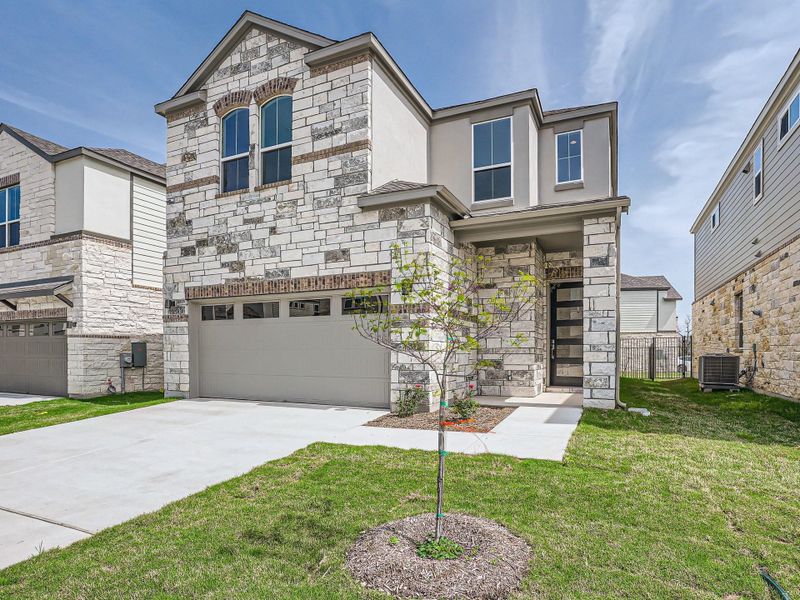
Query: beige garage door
[(33, 359), (297, 350)]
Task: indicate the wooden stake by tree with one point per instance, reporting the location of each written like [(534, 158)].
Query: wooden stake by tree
[(440, 319)]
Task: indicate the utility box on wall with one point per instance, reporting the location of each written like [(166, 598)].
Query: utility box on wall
[(139, 352)]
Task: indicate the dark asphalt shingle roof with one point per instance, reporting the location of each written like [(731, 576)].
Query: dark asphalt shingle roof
[(396, 185), (46, 146), (558, 111), (650, 282)]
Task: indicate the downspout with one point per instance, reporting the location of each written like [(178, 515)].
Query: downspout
[(619, 403)]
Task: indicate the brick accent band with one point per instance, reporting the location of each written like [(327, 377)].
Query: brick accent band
[(268, 186), (175, 318), (274, 87), (33, 315), (69, 237), (9, 180), (264, 287), (150, 288), (194, 183), (328, 152), (349, 62), (564, 273), (189, 111), (231, 100)]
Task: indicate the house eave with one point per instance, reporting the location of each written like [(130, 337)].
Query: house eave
[(180, 102), (438, 194)]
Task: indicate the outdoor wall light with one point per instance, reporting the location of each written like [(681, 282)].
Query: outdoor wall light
[(758, 312)]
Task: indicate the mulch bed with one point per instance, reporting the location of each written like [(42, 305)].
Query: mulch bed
[(493, 565), (484, 420)]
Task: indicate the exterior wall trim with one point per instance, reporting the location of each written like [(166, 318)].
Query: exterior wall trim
[(34, 315), (69, 237), (9, 180), (194, 183), (329, 152)]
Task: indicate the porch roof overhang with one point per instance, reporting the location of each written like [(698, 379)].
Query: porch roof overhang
[(537, 221), (396, 193), (36, 288)]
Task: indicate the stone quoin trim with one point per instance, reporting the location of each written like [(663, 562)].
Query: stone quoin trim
[(236, 99), (9, 180), (323, 70), (274, 87), (264, 287), (329, 152), (34, 315), (552, 273), (187, 185)]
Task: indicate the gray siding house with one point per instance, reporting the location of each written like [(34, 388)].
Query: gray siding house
[(295, 162), (82, 237), (747, 250)]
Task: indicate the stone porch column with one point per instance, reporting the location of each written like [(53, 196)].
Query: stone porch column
[(600, 307)]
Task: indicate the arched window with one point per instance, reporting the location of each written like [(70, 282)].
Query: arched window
[(276, 140), (235, 148)]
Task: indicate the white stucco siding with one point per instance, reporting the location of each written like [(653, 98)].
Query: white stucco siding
[(638, 310), (149, 232), (399, 135), (69, 195), (667, 313), (107, 193)]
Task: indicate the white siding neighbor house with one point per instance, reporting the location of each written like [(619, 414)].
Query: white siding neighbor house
[(648, 306), (295, 162), (82, 237)]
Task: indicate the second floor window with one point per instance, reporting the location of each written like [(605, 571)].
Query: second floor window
[(9, 217), (491, 160), (235, 150), (790, 117), (758, 172), (569, 156), (276, 140)]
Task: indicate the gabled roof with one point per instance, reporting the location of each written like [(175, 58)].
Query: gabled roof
[(54, 153), (396, 185), (650, 282)]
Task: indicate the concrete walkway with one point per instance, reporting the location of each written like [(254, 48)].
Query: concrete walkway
[(9, 399), (63, 483)]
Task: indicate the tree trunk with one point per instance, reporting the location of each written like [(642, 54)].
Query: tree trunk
[(442, 453)]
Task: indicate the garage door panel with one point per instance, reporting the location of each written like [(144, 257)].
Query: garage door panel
[(302, 359), (33, 365)]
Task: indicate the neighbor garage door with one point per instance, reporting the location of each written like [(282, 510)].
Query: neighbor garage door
[(33, 359), (298, 350)]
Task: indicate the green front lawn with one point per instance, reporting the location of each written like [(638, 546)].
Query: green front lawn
[(64, 410), (686, 503)]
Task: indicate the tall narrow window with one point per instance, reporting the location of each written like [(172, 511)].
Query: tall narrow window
[(569, 156), (9, 216), (491, 160), (276, 140), (738, 310), (235, 149), (789, 118), (715, 217), (758, 172)]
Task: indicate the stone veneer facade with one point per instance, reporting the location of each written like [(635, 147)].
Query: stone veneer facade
[(108, 312), (772, 286)]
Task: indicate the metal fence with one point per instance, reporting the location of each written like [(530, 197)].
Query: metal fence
[(656, 357)]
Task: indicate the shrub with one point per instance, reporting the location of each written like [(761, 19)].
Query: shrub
[(443, 549), (409, 401), (466, 406)]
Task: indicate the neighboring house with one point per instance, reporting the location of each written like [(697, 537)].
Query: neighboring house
[(747, 250), (295, 163), (648, 307), (82, 236)]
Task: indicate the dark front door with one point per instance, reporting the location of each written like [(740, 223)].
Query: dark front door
[(566, 334)]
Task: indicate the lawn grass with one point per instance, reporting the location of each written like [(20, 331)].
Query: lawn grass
[(64, 410), (686, 503)]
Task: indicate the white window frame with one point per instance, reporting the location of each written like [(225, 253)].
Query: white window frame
[(510, 164), (7, 224), (715, 221), (792, 128), (262, 150), (223, 160), (555, 150), (759, 148)]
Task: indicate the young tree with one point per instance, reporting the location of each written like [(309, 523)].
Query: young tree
[(441, 322)]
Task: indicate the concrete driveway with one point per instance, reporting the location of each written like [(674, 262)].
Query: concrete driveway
[(63, 483)]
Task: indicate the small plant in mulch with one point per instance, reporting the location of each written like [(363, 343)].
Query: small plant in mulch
[(466, 406), (474, 558), (442, 549), (409, 400)]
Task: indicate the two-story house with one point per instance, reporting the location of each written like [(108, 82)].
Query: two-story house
[(82, 237), (648, 307), (747, 250), (295, 162)]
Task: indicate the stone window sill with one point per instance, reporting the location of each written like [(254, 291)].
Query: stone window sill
[(487, 204), (231, 193), (570, 185), (275, 184)]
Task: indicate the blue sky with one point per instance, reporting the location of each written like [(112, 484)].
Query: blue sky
[(690, 76)]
